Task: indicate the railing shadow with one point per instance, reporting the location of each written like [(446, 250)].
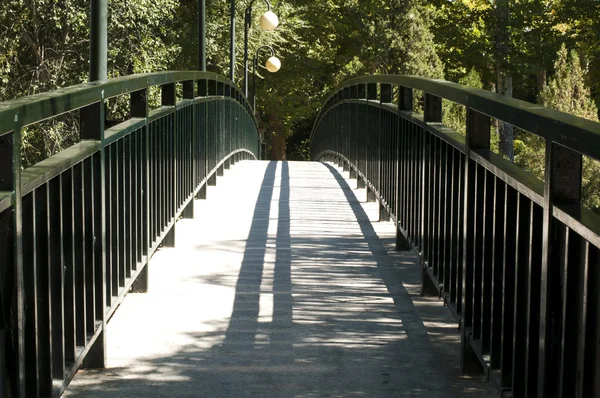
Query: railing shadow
[(243, 325), (318, 340)]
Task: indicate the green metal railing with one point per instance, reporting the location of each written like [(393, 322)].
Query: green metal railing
[(78, 229), (516, 259)]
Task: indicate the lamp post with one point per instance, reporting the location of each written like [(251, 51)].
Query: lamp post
[(202, 35), (273, 64), (268, 21), (98, 40)]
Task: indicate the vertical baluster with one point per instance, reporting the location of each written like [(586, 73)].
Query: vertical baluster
[(136, 220), (498, 261), (478, 138), (588, 381), (362, 95), (139, 108), (160, 176), (434, 158), (30, 281), (121, 189), (88, 226), (108, 165), (371, 138), (446, 220), (508, 299), (402, 188), (437, 211), (129, 204), (169, 99), (92, 127), (79, 244), (460, 225), (416, 174), (455, 221), (69, 262), (488, 201), (477, 257), (524, 209), (533, 301), (42, 263), (10, 180), (99, 247), (562, 185), (384, 148), (189, 148)]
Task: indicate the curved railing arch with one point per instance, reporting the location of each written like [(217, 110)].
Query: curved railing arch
[(77, 229), (516, 259)]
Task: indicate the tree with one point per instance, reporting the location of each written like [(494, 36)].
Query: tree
[(568, 92), (45, 46), (342, 39), (579, 22)]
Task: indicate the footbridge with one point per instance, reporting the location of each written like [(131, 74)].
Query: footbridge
[(159, 256)]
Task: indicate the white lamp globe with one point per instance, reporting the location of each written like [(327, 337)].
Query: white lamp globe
[(269, 21), (273, 64)]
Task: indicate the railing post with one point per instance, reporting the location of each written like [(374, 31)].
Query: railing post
[(345, 149), (202, 92), (139, 108), (478, 138), (220, 131), (405, 99), (385, 98), (353, 125), (92, 127), (362, 158), (168, 98), (372, 143), (432, 113), (188, 94), (562, 185), (229, 125), (212, 181), (433, 109), (10, 181)]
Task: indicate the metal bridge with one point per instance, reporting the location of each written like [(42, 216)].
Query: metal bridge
[(425, 265)]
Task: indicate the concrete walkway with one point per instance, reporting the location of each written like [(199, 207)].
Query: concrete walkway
[(282, 287)]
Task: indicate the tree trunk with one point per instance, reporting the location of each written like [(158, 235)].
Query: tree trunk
[(503, 74), (541, 81), (278, 147), (505, 130)]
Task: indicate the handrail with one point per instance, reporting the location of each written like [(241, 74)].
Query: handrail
[(35, 108), (78, 229), (579, 134), (516, 259)]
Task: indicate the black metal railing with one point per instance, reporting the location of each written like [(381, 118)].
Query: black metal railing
[(77, 229), (516, 259)]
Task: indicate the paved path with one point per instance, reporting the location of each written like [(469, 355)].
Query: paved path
[(281, 287)]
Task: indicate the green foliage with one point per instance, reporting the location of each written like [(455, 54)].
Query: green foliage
[(45, 46), (568, 92), (332, 41), (455, 115)]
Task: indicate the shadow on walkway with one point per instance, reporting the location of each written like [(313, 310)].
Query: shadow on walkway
[(315, 321)]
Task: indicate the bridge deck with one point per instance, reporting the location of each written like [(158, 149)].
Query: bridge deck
[(281, 286)]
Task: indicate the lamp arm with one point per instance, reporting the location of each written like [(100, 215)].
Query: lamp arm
[(267, 2), (248, 12), (260, 48)]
